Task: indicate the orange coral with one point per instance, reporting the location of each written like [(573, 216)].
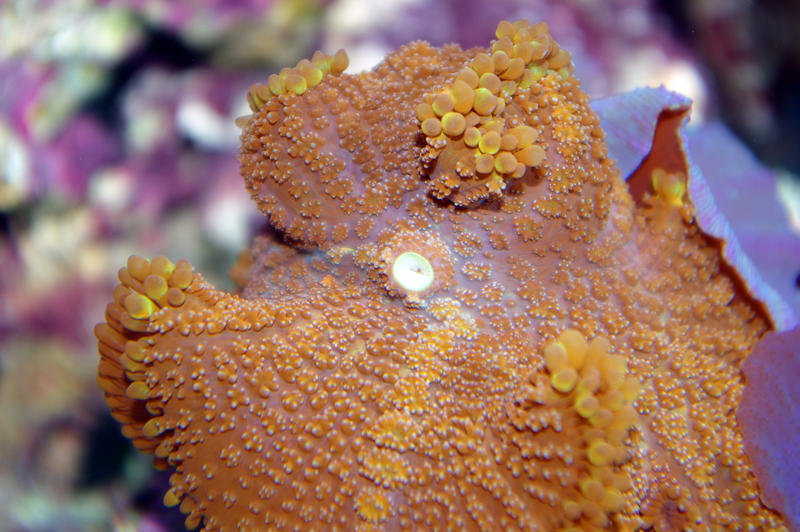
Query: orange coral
[(439, 344)]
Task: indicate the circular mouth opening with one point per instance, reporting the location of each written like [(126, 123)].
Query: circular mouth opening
[(412, 272)]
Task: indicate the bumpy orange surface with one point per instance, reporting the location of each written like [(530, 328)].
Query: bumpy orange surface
[(462, 322)]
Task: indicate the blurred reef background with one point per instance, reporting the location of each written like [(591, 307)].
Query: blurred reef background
[(117, 137)]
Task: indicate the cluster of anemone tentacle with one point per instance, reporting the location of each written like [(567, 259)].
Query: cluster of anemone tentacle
[(475, 120)]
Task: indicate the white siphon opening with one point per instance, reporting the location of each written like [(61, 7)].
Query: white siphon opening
[(412, 271)]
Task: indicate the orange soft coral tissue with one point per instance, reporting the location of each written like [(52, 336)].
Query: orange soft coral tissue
[(465, 321)]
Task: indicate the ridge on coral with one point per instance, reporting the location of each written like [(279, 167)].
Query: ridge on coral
[(443, 337)]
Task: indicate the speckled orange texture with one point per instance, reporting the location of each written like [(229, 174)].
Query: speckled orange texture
[(574, 364)]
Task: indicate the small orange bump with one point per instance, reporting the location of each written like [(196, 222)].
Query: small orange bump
[(472, 136), (295, 83), (170, 499), (453, 123), (504, 44), (155, 286), (138, 267), (501, 106), (473, 119), (504, 29), (572, 510), (339, 62), (175, 296), (133, 324), (564, 380), (670, 187), (631, 388), (138, 390), (134, 351), (527, 79), (490, 143), (182, 276), (531, 156), (590, 381), (509, 142), (600, 453), (560, 60), (424, 111), (485, 102), (613, 501), (131, 365), (431, 127), (491, 82), (310, 73), (526, 135), (593, 490), (262, 91), (524, 50), (138, 306), (482, 64), (500, 61), (121, 292), (523, 30), (468, 76), (601, 418), (575, 345), (442, 104), (192, 521), (484, 164), (541, 48), (275, 84), (614, 400), (586, 405), (153, 427), (162, 266), (292, 401), (321, 61), (463, 96), (507, 89), (555, 357), (505, 163), (613, 369)]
